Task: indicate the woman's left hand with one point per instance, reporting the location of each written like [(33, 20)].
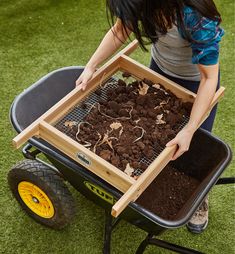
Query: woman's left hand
[(183, 140)]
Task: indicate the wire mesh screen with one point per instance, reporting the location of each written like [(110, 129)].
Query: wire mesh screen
[(79, 112)]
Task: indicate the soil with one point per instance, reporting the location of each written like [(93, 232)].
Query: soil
[(136, 118), (167, 194)]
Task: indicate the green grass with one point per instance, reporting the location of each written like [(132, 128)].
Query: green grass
[(40, 36)]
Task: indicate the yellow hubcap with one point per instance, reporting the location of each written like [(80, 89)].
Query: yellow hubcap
[(36, 199)]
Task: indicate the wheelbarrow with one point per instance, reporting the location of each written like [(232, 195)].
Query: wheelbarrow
[(39, 186)]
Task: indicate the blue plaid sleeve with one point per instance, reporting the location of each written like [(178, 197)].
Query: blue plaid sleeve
[(206, 35)]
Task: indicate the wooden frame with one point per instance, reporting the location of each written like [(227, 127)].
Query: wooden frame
[(43, 128)]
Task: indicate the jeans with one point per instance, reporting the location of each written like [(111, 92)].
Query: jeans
[(192, 86)]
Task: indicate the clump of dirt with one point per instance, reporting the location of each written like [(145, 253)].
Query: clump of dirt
[(168, 193), (136, 118)]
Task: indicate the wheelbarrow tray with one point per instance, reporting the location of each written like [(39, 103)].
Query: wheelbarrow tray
[(208, 155)]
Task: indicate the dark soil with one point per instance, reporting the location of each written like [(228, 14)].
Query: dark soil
[(136, 118), (167, 194)]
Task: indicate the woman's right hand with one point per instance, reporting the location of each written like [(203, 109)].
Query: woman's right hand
[(84, 78)]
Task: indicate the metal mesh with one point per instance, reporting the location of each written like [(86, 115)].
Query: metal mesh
[(78, 113)]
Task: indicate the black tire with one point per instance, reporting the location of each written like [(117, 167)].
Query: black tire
[(51, 184)]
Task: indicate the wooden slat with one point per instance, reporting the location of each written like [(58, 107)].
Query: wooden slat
[(144, 180), (24, 136), (129, 48), (141, 72), (99, 166)]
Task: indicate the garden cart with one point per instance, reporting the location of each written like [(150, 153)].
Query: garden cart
[(39, 186)]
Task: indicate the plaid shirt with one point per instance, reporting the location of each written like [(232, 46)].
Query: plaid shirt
[(206, 35)]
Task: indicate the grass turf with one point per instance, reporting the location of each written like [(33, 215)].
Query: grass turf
[(40, 36)]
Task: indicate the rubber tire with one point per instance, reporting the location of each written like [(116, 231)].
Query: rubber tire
[(52, 184)]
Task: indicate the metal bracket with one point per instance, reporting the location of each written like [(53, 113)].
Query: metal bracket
[(30, 154), (226, 180)]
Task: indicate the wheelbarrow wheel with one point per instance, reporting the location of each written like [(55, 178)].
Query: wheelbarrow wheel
[(42, 193)]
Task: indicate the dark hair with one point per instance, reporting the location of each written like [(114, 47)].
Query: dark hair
[(149, 18)]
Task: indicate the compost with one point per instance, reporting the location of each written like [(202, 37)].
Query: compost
[(136, 119), (168, 193)]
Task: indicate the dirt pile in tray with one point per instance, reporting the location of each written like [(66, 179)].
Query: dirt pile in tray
[(167, 194), (135, 118)]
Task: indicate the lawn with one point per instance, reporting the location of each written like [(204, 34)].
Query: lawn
[(40, 36)]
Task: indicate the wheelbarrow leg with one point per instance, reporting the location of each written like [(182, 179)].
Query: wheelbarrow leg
[(150, 240), (110, 224), (144, 244), (107, 233)]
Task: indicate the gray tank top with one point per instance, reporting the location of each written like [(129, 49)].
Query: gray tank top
[(173, 55)]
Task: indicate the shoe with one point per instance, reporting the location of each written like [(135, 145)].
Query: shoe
[(199, 221)]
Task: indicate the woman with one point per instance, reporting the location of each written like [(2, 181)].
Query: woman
[(185, 36)]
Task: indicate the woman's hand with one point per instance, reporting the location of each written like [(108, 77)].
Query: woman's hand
[(183, 140), (85, 77)]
